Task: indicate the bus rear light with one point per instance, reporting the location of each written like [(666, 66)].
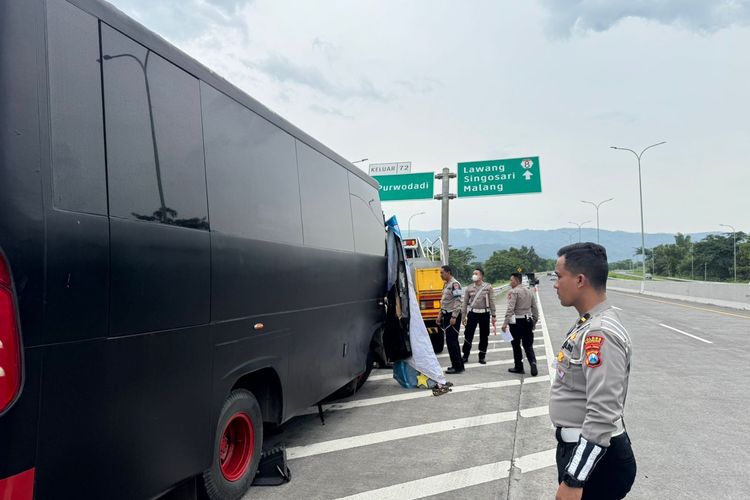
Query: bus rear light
[(10, 346)]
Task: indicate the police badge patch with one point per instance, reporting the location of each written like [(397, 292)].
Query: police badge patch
[(592, 346)]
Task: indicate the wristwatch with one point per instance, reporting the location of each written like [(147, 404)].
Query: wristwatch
[(571, 481)]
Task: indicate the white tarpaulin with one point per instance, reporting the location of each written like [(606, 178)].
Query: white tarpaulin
[(423, 357)]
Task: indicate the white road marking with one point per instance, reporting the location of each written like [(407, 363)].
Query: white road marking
[(616, 308), (536, 461), (441, 483), (545, 334), (686, 333), (536, 380), (396, 434), (456, 480), (503, 349), (535, 412), (376, 378), (346, 405)]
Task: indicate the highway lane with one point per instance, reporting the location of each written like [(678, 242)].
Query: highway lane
[(490, 438), (687, 408)]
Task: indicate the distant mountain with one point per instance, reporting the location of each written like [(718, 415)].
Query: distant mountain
[(620, 245)]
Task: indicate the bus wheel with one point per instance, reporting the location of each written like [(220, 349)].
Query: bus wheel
[(237, 449)]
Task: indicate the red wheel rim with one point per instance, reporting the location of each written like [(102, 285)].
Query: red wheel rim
[(236, 447)]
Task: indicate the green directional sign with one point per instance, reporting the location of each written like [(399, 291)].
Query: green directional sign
[(406, 186), (499, 177)]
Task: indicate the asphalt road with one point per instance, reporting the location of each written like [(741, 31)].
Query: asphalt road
[(492, 438)]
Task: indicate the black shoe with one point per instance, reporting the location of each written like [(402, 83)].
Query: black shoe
[(516, 370), (534, 371), (453, 371), (384, 366), (482, 361), (465, 359)]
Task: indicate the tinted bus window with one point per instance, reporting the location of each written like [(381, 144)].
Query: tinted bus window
[(79, 179), (154, 136), (326, 209), (252, 173), (369, 236)]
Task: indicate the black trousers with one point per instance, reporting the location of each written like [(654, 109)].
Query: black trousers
[(483, 321), (523, 333), (451, 340), (613, 475)]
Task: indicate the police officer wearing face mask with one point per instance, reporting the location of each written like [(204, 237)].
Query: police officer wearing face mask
[(478, 306), (592, 369)]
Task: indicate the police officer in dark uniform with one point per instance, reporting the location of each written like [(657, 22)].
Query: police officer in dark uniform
[(591, 373), (449, 318)]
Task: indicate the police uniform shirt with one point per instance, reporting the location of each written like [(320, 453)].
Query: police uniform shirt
[(521, 303), (451, 299), (485, 298), (590, 385)]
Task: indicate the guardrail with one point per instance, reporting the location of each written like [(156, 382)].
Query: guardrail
[(734, 295)]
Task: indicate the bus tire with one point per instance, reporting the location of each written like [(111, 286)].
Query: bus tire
[(368, 369), (237, 447)]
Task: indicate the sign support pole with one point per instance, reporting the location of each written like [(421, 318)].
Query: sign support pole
[(445, 197)]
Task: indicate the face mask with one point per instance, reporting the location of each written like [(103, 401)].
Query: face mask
[(474, 277)]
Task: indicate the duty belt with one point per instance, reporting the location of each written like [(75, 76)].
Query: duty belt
[(479, 310), (571, 434)]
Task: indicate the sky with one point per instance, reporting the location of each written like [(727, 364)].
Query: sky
[(438, 82)]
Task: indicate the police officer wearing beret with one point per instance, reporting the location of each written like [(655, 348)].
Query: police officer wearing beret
[(591, 372)]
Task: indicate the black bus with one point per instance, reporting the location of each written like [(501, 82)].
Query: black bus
[(178, 264)]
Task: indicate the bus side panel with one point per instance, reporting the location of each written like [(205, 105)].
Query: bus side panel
[(129, 422), (21, 210), (311, 302)]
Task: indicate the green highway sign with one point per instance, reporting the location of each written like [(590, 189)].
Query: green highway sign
[(498, 177), (406, 186)]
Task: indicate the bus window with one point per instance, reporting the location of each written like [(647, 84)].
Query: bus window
[(79, 181)]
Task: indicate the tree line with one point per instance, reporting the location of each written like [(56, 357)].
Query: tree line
[(500, 265), (711, 259)]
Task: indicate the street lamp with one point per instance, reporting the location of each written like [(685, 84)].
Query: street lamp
[(734, 246), (409, 224), (596, 206), (360, 161), (640, 192), (579, 228)]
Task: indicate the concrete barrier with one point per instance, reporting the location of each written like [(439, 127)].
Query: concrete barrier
[(734, 295)]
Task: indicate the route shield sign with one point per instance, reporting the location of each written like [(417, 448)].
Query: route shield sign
[(406, 186), (498, 177)]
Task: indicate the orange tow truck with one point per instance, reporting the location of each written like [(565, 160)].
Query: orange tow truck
[(429, 288)]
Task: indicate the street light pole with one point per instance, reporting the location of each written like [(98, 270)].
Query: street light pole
[(734, 246), (408, 226), (579, 228), (596, 206), (640, 192)]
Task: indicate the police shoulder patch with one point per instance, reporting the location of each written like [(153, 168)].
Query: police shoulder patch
[(456, 285), (592, 346)]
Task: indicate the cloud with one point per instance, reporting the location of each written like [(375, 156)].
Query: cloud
[(420, 85), (567, 17), (285, 71), (329, 111), (180, 20)]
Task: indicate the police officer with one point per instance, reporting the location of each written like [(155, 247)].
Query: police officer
[(587, 399), (521, 316), (477, 307), (449, 318)]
